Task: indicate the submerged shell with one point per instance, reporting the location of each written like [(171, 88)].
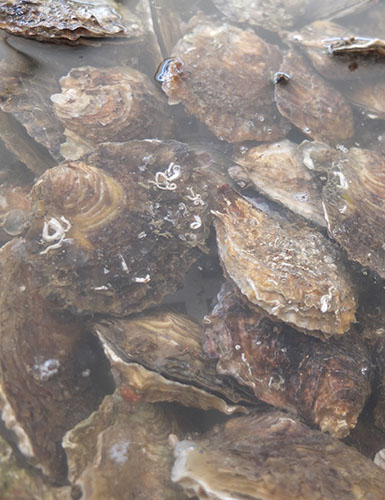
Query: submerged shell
[(122, 452), (160, 357), (223, 75), (326, 383), (115, 104), (278, 171), (369, 96), (273, 456), (311, 104), (100, 239), (287, 268), (15, 211)]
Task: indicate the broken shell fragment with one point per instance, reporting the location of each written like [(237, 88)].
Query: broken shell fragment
[(325, 383), (273, 456), (278, 172), (160, 357), (311, 104), (287, 268), (223, 76)]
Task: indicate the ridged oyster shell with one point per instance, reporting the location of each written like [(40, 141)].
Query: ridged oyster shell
[(326, 383), (102, 228), (273, 456), (223, 76), (287, 268)]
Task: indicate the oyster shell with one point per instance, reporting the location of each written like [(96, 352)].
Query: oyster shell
[(100, 239), (312, 105), (42, 378), (159, 356), (277, 171), (369, 96), (115, 104), (326, 383), (121, 451), (223, 76), (15, 211), (270, 456), (287, 268)]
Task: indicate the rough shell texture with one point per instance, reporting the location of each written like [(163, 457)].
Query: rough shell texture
[(277, 171), (354, 201), (41, 371), (160, 357), (326, 383), (379, 359), (122, 451), (287, 268), (272, 456), (15, 211), (223, 75), (115, 104), (68, 21), (311, 104), (100, 239)]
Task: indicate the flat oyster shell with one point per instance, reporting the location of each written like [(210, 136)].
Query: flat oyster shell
[(223, 76), (277, 171), (368, 95), (43, 392), (311, 104), (325, 383), (270, 456), (159, 356), (353, 199), (100, 239), (115, 104), (68, 20), (122, 451), (287, 268)]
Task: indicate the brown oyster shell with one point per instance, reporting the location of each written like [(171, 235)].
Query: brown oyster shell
[(277, 171), (98, 105), (273, 456), (326, 383), (369, 96), (287, 268), (15, 211), (311, 104), (100, 239), (353, 200), (43, 389), (223, 76), (159, 356)]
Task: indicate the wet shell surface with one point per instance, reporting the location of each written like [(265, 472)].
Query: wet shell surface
[(277, 171), (369, 96), (223, 76), (287, 268), (273, 456), (311, 104), (98, 105), (15, 211), (103, 227), (326, 383)]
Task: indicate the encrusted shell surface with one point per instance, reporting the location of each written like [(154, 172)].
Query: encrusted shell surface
[(160, 357), (15, 211), (223, 76), (277, 170), (326, 383), (311, 104), (121, 451), (115, 104), (270, 456), (287, 268), (103, 227)]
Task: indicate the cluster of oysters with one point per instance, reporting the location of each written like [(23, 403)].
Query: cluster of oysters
[(192, 299)]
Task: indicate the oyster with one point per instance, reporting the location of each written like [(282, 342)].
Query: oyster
[(223, 76), (326, 383), (312, 105), (287, 268), (270, 456), (102, 227), (98, 105), (159, 357), (122, 451), (42, 378), (277, 171), (369, 96), (15, 211)]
